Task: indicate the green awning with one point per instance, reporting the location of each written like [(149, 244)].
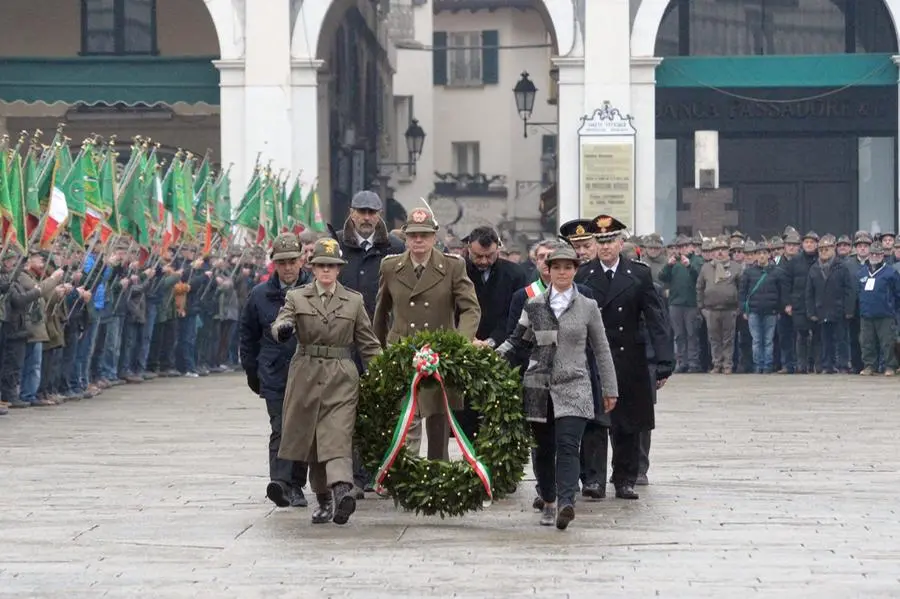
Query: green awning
[(141, 80), (831, 70)]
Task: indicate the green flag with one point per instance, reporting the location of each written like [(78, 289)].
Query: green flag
[(316, 222), (248, 212), (16, 201)]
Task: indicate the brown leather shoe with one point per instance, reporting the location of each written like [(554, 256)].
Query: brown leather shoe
[(41, 403), (134, 380), (103, 384)]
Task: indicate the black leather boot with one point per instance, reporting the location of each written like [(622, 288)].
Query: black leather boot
[(325, 511), (344, 503)]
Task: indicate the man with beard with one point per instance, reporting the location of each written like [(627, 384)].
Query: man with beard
[(365, 241), (806, 331), (496, 281), (266, 362), (878, 286), (625, 293), (717, 298)]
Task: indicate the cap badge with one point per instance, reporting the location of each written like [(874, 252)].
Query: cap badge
[(603, 223), (330, 246), (419, 216), (579, 230)]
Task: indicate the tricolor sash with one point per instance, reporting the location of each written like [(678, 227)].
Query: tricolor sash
[(535, 289)]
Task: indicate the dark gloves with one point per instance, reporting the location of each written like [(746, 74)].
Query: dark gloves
[(253, 381), (284, 332), (664, 370)]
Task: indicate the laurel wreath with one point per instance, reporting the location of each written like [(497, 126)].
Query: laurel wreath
[(445, 488)]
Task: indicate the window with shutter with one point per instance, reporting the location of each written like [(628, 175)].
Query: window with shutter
[(439, 57), (118, 27), (464, 60), (490, 56), (466, 157)]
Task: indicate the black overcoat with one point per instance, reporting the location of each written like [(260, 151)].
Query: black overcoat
[(623, 301)]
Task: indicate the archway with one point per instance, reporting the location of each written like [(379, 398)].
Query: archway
[(151, 74), (320, 33), (778, 83), (650, 15)]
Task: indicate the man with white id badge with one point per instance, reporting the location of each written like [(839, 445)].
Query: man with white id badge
[(879, 302)]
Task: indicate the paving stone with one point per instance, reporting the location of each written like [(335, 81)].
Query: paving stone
[(761, 486)]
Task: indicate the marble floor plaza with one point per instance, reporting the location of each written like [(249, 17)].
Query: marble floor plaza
[(761, 486)]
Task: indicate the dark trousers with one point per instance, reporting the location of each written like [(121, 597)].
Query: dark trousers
[(51, 371), (626, 452), (644, 455), (594, 454), (187, 344), (69, 360), (11, 362), (226, 331), (808, 343), (207, 342), (288, 472), (854, 329), (877, 336), (162, 348), (833, 334), (132, 334), (743, 345), (557, 462), (784, 332)]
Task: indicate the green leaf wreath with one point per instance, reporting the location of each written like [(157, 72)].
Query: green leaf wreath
[(502, 444)]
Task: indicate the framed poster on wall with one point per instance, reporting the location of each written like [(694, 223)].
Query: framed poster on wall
[(606, 165)]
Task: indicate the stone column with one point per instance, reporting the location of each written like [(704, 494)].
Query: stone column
[(231, 125), (607, 55), (305, 124), (643, 109), (267, 109), (896, 60), (571, 109)]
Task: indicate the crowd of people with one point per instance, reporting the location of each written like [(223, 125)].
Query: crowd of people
[(596, 324), (77, 321), (791, 304)]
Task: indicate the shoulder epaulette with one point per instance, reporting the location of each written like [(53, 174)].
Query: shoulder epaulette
[(450, 255)]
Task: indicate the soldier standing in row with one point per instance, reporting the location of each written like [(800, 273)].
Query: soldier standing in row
[(717, 298), (425, 290)]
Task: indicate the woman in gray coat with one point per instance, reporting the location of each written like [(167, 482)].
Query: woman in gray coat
[(555, 329)]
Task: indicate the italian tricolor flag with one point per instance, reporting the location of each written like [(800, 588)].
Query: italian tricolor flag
[(93, 219), (57, 215)]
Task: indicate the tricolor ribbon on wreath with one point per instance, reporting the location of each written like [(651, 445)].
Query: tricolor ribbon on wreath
[(426, 363)]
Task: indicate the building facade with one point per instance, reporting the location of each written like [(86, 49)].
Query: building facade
[(802, 97)]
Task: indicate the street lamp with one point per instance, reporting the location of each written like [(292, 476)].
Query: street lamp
[(415, 139), (524, 92)]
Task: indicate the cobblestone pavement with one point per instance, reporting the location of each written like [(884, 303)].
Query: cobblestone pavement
[(761, 486)]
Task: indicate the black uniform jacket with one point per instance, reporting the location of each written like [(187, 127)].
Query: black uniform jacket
[(623, 301)]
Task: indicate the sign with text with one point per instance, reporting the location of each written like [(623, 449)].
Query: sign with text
[(864, 110), (606, 165)]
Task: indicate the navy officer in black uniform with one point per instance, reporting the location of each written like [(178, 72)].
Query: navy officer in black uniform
[(625, 293)]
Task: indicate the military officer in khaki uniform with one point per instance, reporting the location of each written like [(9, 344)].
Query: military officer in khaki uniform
[(423, 289)]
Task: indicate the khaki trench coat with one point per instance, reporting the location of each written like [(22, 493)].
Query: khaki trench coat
[(322, 393), (443, 298)]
